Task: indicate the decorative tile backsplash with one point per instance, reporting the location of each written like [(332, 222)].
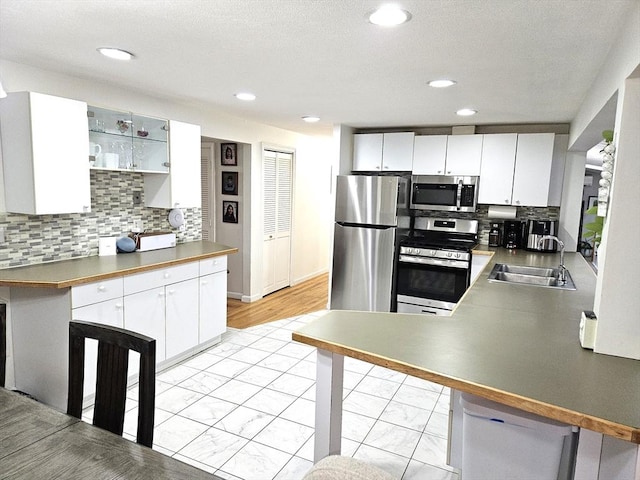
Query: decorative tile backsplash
[(484, 222), (31, 239)]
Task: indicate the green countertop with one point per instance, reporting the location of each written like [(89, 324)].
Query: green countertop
[(515, 344), (68, 273)]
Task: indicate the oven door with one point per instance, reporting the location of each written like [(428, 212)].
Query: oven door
[(430, 282)]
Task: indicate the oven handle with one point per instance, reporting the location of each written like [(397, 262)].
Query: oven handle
[(438, 262)]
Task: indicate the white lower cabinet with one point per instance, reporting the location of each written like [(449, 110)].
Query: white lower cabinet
[(144, 313), (213, 298), (108, 312), (182, 316), (213, 306), (184, 307)]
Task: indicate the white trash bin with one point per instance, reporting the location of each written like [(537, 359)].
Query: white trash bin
[(500, 442)]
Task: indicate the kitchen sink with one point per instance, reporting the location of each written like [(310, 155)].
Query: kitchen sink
[(536, 276)]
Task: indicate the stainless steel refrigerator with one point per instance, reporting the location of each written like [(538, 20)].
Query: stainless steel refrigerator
[(364, 241)]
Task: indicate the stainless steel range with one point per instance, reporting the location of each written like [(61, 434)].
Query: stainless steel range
[(434, 265)]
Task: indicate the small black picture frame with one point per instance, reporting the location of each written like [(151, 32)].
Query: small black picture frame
[(229, 183), (228, 154), (229, 212)]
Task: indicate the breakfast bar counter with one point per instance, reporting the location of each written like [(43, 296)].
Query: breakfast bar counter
[(514, 344), (68, 273)]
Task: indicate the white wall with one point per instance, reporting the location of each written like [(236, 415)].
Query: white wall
[(622, 60), (617, 301), (216, 124), (571, 209)]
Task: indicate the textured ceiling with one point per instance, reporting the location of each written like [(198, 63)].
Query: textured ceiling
[(516, 61)]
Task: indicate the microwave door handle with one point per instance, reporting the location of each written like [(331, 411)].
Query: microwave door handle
[(459, 195)]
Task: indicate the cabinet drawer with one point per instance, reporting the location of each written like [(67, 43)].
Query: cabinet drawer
[(160, 277), (213, 265), (96, 292)]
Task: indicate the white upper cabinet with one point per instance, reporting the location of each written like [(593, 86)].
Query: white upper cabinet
[(516, 170), (44, 150), (496, 172), (397, 151), (377, 152), (447, 155), (367, 152), (464, 153), (182, 187), (429, 154), (532, 176)]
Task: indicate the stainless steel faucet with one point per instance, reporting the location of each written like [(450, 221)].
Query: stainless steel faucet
[(562, 271)]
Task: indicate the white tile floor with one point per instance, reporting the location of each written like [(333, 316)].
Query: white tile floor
[(244, 409)]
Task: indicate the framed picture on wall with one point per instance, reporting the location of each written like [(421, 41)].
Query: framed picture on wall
[(230, 212), (230, 183), (228, 152)]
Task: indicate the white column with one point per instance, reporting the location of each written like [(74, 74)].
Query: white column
[(328, 404)]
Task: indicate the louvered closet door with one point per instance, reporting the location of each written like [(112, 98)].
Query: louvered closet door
[(277, 194)]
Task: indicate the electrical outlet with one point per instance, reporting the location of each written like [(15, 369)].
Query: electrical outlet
[(137, 198), (138, 226)]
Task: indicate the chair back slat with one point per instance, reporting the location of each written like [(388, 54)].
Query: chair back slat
[(3, 342), (114, 345), (111, 387)]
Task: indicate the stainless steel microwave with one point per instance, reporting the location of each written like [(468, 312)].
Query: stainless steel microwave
[(439, 192)]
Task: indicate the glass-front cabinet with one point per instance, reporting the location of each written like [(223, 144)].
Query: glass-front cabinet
[(126, 141)]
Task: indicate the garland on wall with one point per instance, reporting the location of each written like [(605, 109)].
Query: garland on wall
[(607, 173)]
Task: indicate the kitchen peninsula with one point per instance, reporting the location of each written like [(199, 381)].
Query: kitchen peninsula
[(514, 344), (175, 295)]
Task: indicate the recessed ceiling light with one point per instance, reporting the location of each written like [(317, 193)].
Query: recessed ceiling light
[(389, 16), (311, 118), (246, 96), (115, 53), (466, 112), (441, 83)]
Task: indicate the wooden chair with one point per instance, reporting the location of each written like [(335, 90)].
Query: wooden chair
[(114, 345)]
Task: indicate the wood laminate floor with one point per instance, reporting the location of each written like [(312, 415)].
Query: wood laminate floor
[(306, 297)]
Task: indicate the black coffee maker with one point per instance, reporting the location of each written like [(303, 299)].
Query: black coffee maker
[(512, 234), (495, 234)]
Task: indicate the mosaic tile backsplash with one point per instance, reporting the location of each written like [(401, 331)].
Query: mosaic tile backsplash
[(484, 222), (31, 239)]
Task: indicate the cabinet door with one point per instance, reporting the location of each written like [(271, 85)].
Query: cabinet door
[(367, 152), (532, 175), (44, 148), (429, 154), (464, 153), (109, 312), (144, 312), (213, 306), (182, 187), (397, 151), (181, 317), (496, 171)]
